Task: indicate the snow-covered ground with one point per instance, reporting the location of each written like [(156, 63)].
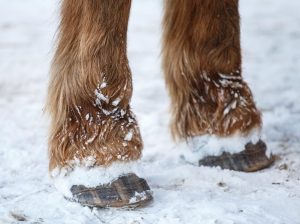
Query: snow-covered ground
[(183, 193)]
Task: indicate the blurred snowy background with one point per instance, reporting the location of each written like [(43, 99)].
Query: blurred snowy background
[(183, 193)]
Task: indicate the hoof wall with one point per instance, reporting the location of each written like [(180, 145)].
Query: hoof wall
[(252, 159), (126, 191)]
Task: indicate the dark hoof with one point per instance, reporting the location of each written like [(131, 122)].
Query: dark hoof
[(126, 191), (253, 158)]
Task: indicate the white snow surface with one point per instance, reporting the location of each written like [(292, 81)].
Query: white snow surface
[(183, 192)]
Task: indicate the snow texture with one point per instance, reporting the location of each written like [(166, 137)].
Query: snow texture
[(183, 193)]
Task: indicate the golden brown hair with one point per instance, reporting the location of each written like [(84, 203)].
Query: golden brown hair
[(202, 67), (91, 86)]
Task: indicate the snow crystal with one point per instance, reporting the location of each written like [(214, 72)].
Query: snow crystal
[(78, 108), (231, 106), (230, 77), (106, 112), (123, 113), (100, 97), (116, 102), (103, 85), (138, 197), (129, 136), (91, 139)]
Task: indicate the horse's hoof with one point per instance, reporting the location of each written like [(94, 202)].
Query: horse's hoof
[(252, 158), (127, 191)]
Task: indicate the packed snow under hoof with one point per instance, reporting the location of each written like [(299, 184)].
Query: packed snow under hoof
[(253, 158), (128, 191)]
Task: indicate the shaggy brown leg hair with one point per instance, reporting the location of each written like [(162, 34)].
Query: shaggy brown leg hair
[(90, 87), (202, 66)]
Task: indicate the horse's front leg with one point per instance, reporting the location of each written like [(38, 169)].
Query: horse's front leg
[(92, 124)]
